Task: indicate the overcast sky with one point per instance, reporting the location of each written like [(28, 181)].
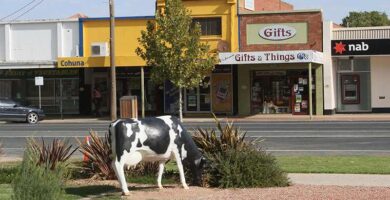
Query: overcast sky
[(334, 10)]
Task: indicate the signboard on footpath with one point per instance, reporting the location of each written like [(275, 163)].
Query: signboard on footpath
[(360, 47), (271, 57)]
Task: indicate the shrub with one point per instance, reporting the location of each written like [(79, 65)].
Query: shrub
[(246, 168), (36, 182), (236, 162), (230, 137), (98, 152), (52, 155)]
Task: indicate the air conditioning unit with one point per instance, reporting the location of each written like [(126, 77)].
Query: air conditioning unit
[(99, 49)]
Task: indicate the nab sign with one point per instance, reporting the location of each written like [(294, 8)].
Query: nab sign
[(360, 47)]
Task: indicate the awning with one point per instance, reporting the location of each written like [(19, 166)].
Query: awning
[(271, 57), (28, 65)]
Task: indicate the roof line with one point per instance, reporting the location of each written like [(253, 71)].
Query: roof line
[(279, 12), (119, 18)]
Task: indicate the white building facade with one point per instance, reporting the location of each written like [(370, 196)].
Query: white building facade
[(357, 70), (29, 49)]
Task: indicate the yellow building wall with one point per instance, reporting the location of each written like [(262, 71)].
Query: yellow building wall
[(128, 30), (126, 33)]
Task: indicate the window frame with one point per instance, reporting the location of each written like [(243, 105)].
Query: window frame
[(208, 20)]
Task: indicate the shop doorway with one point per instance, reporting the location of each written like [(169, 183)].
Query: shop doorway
[(279, 92), (101, 81), (198, 99), (353, 85)]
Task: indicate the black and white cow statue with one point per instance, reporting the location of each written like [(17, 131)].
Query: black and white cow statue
[(153, 139)]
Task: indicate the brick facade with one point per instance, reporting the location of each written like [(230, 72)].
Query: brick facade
[(268, 5), (315, 30)]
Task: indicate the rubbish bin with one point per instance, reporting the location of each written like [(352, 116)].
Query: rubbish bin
[(129, 107)]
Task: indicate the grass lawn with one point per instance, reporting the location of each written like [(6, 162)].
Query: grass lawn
[(335, 164)]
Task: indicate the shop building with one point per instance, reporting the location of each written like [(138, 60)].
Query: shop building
[(360, 67), (279, 66), (29, 49), (219, 22)]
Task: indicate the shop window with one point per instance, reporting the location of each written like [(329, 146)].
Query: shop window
[(209, 26), (344, 65), (361, 65), (350, 89)]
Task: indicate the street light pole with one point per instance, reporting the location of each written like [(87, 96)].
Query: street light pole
[(112, 61)]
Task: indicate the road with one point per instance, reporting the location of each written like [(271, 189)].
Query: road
[(280, 138)]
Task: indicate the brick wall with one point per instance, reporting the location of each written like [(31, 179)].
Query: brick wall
[(268, 5), (313, 19)]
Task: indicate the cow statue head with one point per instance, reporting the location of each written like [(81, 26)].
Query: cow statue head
[(197, 168)]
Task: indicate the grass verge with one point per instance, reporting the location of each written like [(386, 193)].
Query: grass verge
[(335, 164)]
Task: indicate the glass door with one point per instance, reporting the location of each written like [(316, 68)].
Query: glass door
[(198, 99)]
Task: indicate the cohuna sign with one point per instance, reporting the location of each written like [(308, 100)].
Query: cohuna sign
[(277, 32)]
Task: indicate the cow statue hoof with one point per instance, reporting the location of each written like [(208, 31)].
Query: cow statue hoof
[(125, 193), (153, 139)]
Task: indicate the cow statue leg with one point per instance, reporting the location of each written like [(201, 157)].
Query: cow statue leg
[(160, 173), (181, 170), (120, 174), (129, 159)]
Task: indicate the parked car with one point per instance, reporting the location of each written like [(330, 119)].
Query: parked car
[(15, 111)]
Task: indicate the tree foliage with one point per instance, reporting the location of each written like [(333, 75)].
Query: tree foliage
[(172, 46), (365, 19)]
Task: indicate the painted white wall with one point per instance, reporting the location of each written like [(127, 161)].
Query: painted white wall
[(380, 71), (329, 73), (70, 39), (2, 42), (37, 42)]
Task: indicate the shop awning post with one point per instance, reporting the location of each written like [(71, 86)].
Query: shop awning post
[(310, 92)]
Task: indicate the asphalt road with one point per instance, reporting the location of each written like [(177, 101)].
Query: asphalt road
[(280, 138)]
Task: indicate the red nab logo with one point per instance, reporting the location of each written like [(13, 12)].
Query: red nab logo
[(340, 47)]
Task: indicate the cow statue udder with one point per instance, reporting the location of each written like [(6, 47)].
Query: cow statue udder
[(153, 139)]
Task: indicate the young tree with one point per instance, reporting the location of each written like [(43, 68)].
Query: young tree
[(171, 45), (365, 19)]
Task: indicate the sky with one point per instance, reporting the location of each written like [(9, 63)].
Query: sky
[(334, 10)]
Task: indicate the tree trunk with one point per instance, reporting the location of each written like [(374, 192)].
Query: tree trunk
[(180, 104)]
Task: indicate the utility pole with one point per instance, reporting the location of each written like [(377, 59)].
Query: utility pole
[(112, 61)]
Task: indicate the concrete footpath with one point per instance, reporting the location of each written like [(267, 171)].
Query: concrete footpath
[(367, 180)]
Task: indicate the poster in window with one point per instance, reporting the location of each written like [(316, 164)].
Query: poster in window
[(304, 104), (222, 99), (298, 98), (300, 81), (192, 101), (295, 87), (304, 82), (297, 107)]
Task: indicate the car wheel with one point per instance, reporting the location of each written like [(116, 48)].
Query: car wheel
[(32, 118)]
